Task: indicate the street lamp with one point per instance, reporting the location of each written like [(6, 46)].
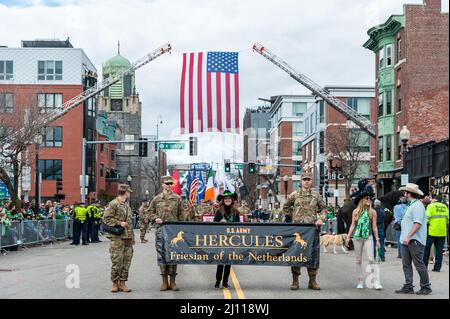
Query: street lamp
[(147, 193), (129, 180), (270, 199), (336, 170), (404, 137), (286, 180)]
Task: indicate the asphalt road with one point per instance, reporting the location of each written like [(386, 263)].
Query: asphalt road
[(40, 272)]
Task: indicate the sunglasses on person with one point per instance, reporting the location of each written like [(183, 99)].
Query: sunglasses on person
[(169, 184), (368, 198)]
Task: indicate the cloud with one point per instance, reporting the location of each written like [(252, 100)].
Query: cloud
[(322, 39)]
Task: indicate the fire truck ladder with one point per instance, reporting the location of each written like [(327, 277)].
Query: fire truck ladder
[(99, 87), (317, 90)]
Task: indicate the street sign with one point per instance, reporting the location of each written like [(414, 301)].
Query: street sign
[(336, 193), (239, 166), (3, 191), (404, 179), (86, 181), (170, 146), (200, 166)]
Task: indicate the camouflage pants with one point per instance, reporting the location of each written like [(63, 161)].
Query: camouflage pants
[(144, 227), (121, 256), (296, 271), (165, 269)]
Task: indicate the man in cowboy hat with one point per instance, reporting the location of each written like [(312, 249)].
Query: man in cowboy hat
[(166, 207), (305, 206), (413, 238), (118, 213)]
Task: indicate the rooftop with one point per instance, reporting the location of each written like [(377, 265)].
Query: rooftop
[(46, 43)]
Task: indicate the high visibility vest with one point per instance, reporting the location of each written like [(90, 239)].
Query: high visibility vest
[(80, 213), (97, 213), (437, 218)]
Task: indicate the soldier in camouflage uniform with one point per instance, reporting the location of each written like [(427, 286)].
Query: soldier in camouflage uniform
[(276, 215), (118, 213), (244, 210), (143, 219), (305, 206), (189, 211), (205, 208), (166, 207)]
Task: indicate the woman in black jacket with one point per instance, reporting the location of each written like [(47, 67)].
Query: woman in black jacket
[(226, 213)]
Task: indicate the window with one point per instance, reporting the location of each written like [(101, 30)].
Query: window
[(380, 149), (50, 70), (297, 148), (381, 58), (298, 128), (48, 102), (50, 169), (116, 105), (296, 185), (399, 98), (388, 102), (102, 169), (297, 167), (5, 131), (127, 84), (399, 147), (361, 141), (298, 108), (102, 146), (321, 112), (91, 106), (6, 70), (307, 153), (399, 50), (53, 136), (312, 123), (113, 155), (363, 107), (321, 142), (389, 55), (353, 103), (307, 126), (388, 147), (380, 104), (6, 103)]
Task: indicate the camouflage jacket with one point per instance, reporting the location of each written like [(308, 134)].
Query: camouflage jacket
[(115, 213), (244, 210), (144, 211), (305, 207), (205, 209), (167, 207)]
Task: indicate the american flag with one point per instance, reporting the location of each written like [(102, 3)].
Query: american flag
[(193, 190), (209, 92)]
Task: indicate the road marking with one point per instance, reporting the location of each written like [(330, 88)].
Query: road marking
[(226, 293), (236, 285)]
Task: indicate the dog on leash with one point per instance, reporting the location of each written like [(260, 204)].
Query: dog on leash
[(336, 240)]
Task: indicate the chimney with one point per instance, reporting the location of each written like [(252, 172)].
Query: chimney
[(432, 4)]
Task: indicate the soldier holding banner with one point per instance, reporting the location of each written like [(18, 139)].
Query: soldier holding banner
[(165, 207), (305, 206)]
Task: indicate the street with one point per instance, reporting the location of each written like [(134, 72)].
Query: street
[(40, 272)]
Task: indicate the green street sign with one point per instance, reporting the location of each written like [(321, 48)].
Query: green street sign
[(239, 166), (171, 146)]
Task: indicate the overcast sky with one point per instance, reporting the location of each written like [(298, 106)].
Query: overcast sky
[(322, 39)]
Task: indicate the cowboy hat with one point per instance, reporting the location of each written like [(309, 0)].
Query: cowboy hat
[(225, 194), (411, 188), (361, 196)]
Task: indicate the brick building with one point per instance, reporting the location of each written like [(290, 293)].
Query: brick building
[(42, 75), (412, 76)]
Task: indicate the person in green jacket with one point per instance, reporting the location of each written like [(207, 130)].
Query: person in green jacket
[(437, 220)]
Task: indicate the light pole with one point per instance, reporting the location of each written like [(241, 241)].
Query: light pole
[(147, 194), (159, 121), (286, 180), (129, 179), (336, 170), (404, 137), (270, 199), (38, 142)]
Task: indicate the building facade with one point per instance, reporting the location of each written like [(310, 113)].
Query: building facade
[(41, 76), (412, 76)]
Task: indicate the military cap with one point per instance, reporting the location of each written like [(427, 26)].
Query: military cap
[(124, 188), (167, 179), (306, 175)]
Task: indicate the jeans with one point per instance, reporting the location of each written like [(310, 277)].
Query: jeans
[(381, 250), (399, 244), (361, 245), (439, 246), (413, 253)]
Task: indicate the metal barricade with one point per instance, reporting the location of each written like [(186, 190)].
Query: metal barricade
[(29, 232), (46, 231), (11, 235), (60, 229), (390, 235)]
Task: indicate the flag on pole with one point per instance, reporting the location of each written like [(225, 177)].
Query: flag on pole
[(209, 192), (201, 188), (176, 186), (193, 189), (189, 181), (209, 92)]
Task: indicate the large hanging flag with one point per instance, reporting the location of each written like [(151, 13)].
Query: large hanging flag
[(176, 186), (201, 188), (209, 92), (209, 192), (193, 189)]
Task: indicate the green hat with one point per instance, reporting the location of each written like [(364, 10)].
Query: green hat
[(228, 194)]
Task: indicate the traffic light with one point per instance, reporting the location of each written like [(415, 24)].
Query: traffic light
[(326, 182), (251, 168), (59, 185), (192, 146), (227, 167), (143, 148)]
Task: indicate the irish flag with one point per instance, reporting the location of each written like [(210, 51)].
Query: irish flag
[(209, 193)]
